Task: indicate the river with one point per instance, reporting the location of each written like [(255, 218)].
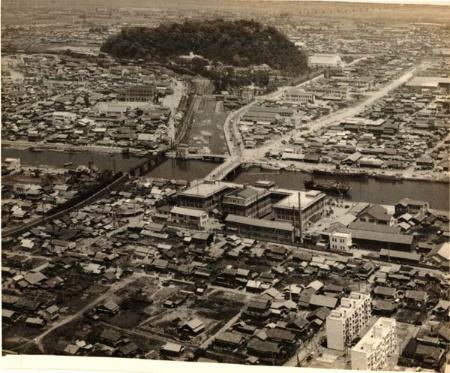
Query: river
[(168, 169), (369, 190), (103, 161)]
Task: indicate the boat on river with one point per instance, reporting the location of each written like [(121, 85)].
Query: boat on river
[(332, 187), (35, 149)]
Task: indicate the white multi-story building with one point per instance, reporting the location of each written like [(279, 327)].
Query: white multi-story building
[(299, 96), (331, 93), (340, 241), (377, 347), (324, 60), (189, 217), (346, 322)]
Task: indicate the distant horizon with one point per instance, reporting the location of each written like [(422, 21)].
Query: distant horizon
[(397, 2)]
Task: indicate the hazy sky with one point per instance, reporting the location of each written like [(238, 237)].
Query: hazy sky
[(429, 2)]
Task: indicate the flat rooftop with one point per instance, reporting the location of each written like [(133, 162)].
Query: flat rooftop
[(326, 58), (205, 190), (246, 195), (427, 81), (261, 223), (292, 198), (375, 335), (187, 211), (364, 121), (122, 106), (382, 237)]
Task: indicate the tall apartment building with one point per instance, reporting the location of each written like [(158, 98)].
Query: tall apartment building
[(373, 351), (346, 322)]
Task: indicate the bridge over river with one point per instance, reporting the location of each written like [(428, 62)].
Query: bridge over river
[(223, 170)]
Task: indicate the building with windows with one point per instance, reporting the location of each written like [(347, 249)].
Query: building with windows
[(410, 206), (261, 229), (376, 347), (429, 82), (267, 114), (248, 201), (189, 217), (299, 96), (345, 323), (340, 241), (324, 60), (205, 196), (311, 203), (331, 93), (376, 214), (63, 117), (138, 93)]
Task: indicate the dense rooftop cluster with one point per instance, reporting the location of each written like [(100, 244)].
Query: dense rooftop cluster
[(209, 269)]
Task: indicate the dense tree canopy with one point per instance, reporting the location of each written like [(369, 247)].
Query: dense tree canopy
[(238, 43)]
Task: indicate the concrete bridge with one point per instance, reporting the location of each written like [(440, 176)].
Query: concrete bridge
[(232, 164)]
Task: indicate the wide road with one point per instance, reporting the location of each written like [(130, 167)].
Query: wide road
[(172, 101), (329, 120), (232, 134)]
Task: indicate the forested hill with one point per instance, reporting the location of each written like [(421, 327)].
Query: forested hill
[(238, 43)]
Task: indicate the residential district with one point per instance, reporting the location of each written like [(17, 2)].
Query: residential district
[(113, 261)]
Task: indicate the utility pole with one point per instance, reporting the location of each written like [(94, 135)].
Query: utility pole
[(389, 252)]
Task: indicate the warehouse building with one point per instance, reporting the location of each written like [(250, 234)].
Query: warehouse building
[(260, 229), (376, 240)]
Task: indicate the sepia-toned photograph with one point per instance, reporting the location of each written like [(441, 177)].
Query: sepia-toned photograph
[(250, 182)]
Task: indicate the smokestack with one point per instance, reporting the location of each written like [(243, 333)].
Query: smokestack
[(300, 216)]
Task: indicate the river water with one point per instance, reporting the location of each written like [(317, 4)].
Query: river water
[(169, 169), (183, 169), (369, 190), (103, 161)]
